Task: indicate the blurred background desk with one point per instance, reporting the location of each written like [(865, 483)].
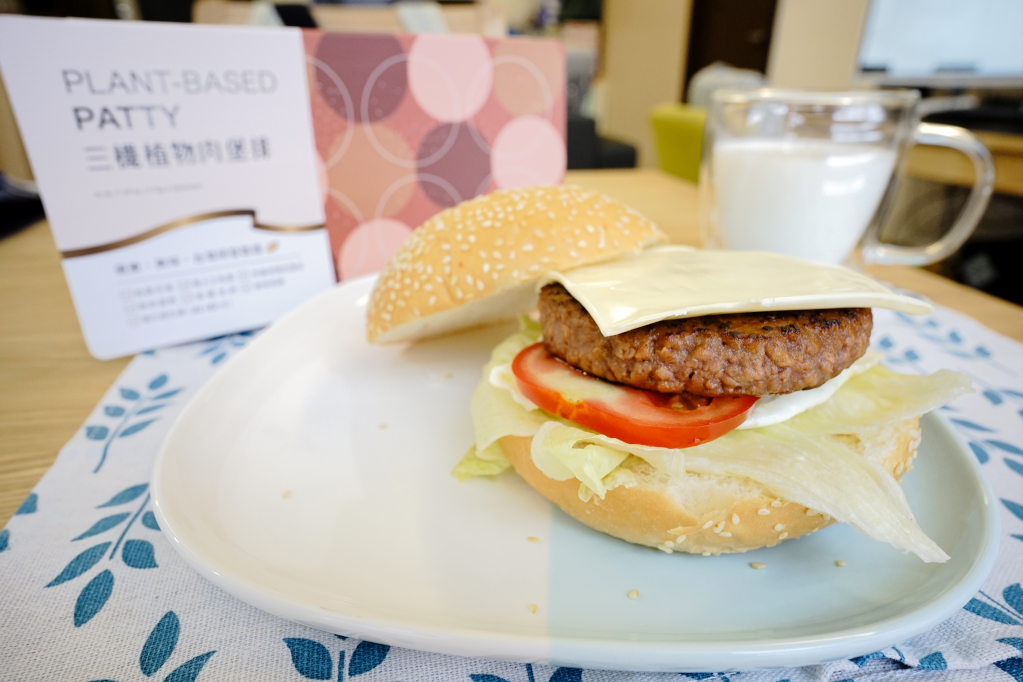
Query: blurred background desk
[(49, 383)]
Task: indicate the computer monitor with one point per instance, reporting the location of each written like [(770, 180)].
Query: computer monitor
[(943, 43)]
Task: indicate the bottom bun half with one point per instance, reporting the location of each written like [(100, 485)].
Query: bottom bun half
[(705, 514)]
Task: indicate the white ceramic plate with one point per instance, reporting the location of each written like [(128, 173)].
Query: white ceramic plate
[(310, 478)]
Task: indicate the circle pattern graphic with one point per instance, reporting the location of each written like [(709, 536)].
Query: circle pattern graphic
[(528, 151), (450, 76), (364, 176), (408, 125), (465, 169), (353, 58), (527, 73), (369, 246)]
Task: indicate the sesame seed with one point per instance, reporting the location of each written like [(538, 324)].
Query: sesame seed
[(783, 536), (286, 494), (633, 594), (532, 608), (669, 543), (840, 563), (666, 550), (827, 517), (706, 553), (811, 512), (533, 538), (680, 539), (735, 519), (757, 565), (779, 526), (708, 525), (763, 512), (677, 531), (720, 527), (776, 503), (725, 534)]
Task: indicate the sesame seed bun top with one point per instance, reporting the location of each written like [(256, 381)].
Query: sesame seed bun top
[(478, 262)]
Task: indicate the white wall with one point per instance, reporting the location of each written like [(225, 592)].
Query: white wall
[(815, 43), (645, 46)]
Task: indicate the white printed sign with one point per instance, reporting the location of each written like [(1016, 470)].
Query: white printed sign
[(177, 168)]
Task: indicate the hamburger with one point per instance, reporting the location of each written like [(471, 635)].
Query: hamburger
[(700, 402)]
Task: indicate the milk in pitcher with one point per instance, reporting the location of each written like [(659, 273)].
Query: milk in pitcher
[(803, 197)]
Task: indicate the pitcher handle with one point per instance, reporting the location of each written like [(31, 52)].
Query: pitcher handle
[(983, 185)]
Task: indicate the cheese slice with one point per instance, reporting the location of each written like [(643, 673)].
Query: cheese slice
[(672, 282)]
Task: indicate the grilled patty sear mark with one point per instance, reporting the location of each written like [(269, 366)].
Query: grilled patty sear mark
[(736, 354)]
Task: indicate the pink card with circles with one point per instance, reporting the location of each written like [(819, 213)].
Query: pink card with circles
[(409, 125)]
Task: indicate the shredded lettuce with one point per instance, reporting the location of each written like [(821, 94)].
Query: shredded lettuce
[(495, 413), (881, 396), (559, 452), (618, 477), (489, 462), (823, 474)]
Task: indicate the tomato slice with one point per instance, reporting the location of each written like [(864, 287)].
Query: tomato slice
[(629, 414)]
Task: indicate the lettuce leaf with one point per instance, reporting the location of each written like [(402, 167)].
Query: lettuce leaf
[(487, 463), (495, 413), (563, 452), (823, 474), (881, 396)]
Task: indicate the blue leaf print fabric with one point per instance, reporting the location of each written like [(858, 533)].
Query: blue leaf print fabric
[(103, 525), (93, 591), (30, 505), (125, 496), (160, 644), (311, 659), (149, 521), (138, 554), (367, 655), (93, 597), (80, 564)]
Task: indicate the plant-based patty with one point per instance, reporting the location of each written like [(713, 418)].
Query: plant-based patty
[(735, 354)]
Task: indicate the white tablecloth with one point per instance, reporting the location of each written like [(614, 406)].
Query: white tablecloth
[(90, 589)]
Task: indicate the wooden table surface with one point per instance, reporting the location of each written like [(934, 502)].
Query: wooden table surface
[(49, 383)]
